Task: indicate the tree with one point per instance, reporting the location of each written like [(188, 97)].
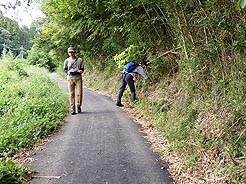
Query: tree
[(14, 38)]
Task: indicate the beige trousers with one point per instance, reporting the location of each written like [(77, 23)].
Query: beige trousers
[(75, 86)]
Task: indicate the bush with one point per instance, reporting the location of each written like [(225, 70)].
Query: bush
[(31, 107)]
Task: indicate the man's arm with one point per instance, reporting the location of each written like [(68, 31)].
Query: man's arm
[(65, 67), (140, 70), (81, 66)]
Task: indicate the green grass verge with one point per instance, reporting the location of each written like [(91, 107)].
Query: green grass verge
[(31, 107)]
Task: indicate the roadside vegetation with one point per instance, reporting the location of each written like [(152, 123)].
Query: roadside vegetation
[(204, 128), (197, 54), (197, 58), (31, 107)]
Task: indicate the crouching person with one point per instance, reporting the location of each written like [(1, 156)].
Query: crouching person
[(128, 77)]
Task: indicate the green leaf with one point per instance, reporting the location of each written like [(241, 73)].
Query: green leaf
[(241, 4)]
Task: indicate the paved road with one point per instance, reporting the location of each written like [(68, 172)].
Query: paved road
[(102, 145)]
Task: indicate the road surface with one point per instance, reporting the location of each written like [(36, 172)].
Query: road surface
[(101, 145)]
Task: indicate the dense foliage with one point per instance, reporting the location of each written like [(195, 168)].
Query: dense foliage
[(214, 30), (31, 107)]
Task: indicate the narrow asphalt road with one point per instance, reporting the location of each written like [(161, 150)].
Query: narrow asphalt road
[(102, 145)]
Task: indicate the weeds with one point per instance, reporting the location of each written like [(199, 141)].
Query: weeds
[(202, 115), (31, 107), (12, 173)]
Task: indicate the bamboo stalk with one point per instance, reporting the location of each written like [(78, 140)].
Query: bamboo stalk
[(182, 35)]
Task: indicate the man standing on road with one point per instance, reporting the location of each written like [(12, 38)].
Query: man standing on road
[(74, 67), (128, 78)]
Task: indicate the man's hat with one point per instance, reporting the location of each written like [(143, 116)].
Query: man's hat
[(71, 49)]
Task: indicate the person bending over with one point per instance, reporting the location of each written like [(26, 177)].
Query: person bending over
[(128, 78)]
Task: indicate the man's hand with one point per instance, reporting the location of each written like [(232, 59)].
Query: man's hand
[(150, 80)]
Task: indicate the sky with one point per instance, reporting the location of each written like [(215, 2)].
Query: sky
[(23, 14)]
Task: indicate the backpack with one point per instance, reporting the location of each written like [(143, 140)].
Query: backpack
[(129, 67)]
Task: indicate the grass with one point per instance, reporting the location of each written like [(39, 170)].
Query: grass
[(203, 121), (31, 106)]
